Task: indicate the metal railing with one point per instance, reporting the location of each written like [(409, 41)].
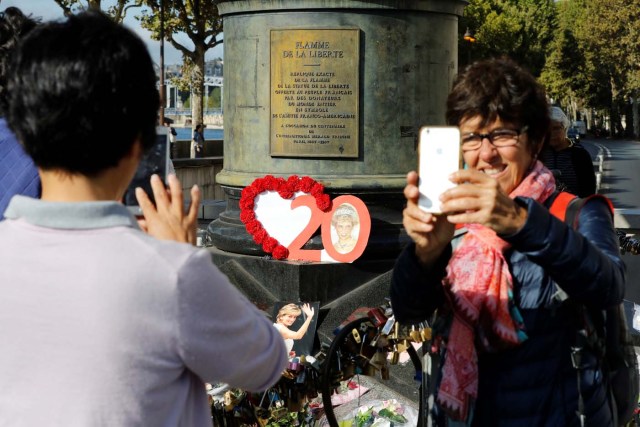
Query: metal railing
[(187, 111)]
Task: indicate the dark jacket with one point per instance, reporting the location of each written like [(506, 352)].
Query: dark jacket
[(18, 174), (573, 169), (534, 384)]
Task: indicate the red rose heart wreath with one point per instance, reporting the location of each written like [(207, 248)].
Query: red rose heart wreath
[(286, 188)]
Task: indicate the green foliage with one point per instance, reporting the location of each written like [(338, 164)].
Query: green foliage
[(200, 21), (586, 52), (202, 24), (603, 70), (117, 11), (288, 420), (214, 98), (364, 417), (392, 416), (183, 81), (562, 69), (520, 29)]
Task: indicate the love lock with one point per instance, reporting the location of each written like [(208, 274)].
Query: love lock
[(395, 355), (369, 370), (278, 413), (379, 359), (415, 335), (426, 334), (377, 317), (386, 329), (356, 335), (364, 327), (349, 370), (384, 371), (262, 416), (403, 345), (232, 398)]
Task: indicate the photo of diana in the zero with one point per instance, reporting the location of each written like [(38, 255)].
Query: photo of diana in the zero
[(345, 228)]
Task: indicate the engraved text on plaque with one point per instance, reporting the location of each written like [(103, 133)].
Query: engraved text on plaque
[(314, 92)]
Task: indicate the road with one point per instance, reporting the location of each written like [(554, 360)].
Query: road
[(621, 170), (620, 181)]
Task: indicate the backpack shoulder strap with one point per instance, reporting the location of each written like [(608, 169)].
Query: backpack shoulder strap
[(560, 205), (566, 206)]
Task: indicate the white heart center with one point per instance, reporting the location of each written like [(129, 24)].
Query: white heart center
[(277, 218)]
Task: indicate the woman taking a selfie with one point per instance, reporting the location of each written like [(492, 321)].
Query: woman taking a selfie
[(492, 262)]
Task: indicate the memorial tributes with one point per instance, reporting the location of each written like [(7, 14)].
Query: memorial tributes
[(323, 103), (334, 91)]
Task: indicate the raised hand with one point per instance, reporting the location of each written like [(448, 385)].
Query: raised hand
[(167, 220), (479, 199), (308, 310)]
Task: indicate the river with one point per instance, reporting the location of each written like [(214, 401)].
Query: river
[(185, 133)]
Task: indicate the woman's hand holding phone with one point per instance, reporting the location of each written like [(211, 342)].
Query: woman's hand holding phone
[(431, 232), (167, 220)]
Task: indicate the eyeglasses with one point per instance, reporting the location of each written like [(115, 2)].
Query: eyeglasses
[(497, 137)]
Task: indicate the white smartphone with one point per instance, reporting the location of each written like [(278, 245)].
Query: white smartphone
[(155, 161), (439, 156)]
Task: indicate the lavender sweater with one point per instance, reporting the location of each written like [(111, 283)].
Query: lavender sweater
[(102, 325)]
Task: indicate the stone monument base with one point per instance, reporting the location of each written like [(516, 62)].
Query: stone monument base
[(340, 288)]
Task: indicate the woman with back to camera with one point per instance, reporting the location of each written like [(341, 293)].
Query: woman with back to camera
[(125, 320), (506, 344)]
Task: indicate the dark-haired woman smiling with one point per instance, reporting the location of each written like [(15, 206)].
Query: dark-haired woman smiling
[(506, 347)]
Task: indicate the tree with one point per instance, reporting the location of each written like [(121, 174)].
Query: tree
[(606, 34), (118, 11), (520, 29), (563, 74), (560, 70), (202, 24), (594, 60)]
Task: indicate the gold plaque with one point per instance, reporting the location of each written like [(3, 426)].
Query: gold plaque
[(314, 92)]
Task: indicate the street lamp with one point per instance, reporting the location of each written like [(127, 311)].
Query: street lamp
[(470, 37), (163, 93)]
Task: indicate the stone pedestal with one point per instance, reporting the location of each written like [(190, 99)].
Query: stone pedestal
[(340, 288), (399, 69), (407, 58), (266, 281)]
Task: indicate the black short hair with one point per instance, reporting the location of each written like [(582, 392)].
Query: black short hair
[(500, 88), (13, 26), (81, 92)]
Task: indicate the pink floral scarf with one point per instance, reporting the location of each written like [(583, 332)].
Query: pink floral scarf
[(480, 288)]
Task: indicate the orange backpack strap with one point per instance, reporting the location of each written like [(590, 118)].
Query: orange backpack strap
[(560, 204), (566, 206)]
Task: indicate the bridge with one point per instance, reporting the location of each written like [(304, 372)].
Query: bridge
[(174, 104)]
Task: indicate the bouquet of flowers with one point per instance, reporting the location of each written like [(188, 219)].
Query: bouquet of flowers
[(387, 413)]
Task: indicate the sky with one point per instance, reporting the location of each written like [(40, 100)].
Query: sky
[(49, 9)]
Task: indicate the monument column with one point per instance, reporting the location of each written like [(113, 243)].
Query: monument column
[(335, 90)]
